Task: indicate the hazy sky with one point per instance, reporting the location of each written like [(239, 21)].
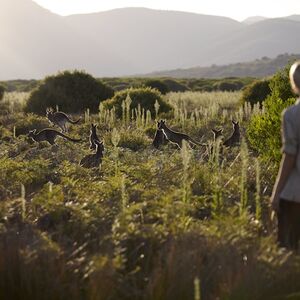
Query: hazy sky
[(236, 9)]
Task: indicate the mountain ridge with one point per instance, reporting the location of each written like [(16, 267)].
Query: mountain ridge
[(130, 41)]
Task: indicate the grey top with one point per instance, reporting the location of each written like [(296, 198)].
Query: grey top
[(290, 145)]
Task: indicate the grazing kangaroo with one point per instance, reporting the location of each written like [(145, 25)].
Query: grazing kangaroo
[(93, 137), (235, 137), (59, 118), (93, 160), (48, 135), (159, 138), (176, 137)]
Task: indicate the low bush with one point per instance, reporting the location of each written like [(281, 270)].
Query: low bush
[(157, 84), (256, 92), (146, 97)]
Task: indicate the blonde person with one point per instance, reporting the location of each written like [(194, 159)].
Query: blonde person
[(285, 198)]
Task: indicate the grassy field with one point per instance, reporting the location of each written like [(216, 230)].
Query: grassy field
[(149, 224)]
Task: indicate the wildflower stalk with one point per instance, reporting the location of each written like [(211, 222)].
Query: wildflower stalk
[(186, 156), (243, 183), (197, 291), (23, 202), (258, 192), (115, 139)]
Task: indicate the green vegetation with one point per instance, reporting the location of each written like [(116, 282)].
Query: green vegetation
[(256, 92), (264, 129), (139, 99), (2, 90), (70, 91), (149, 224), (161, 86)]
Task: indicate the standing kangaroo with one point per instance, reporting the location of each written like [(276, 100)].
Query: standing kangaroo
[(93, 137), (159, 138), (217, 138), (176, 137), (235, 137), (48, 135), (93, 160), (217, 134), (59, 118)]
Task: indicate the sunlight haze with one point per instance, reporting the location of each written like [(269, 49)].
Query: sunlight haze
[(235, 9)]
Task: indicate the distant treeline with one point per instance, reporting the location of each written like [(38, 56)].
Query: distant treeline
[(162, 84)]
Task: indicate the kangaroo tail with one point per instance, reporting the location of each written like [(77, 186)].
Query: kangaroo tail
[(72, 121), (68, 138), (196, 143)]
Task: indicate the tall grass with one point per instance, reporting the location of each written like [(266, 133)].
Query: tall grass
[(150, 224)]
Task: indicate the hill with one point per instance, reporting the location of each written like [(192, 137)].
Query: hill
[(37, 42), (258, 68)]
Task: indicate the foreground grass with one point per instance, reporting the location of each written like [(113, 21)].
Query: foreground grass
[(149, 224)]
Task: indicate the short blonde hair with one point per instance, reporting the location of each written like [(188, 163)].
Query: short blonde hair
[(295, 77)]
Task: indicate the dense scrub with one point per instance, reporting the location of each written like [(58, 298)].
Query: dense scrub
[(149, 224), (70, 92), (256, 92), (264, 129), (117, 84)]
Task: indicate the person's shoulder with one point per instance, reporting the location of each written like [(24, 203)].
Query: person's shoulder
[(291, 109), (292, 112)]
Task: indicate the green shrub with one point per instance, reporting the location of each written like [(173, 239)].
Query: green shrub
[(30, 122), (228, 86), (157, 84), (256, 92), (71, 91), (14, 173), (175, 86), (2, 90), (264, 129), (145, 96)]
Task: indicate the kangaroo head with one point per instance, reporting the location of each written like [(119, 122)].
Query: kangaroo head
[(93, 128), (99, 145), (217, 133), (236, 125), (161, 124), (49, 112), (31, 133)]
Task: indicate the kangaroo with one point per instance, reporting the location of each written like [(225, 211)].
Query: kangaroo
[(93, 160), (217, 134), (59, 118), (235, 137), (159, 138), (48, 135), (176, 137), (93, 137)]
